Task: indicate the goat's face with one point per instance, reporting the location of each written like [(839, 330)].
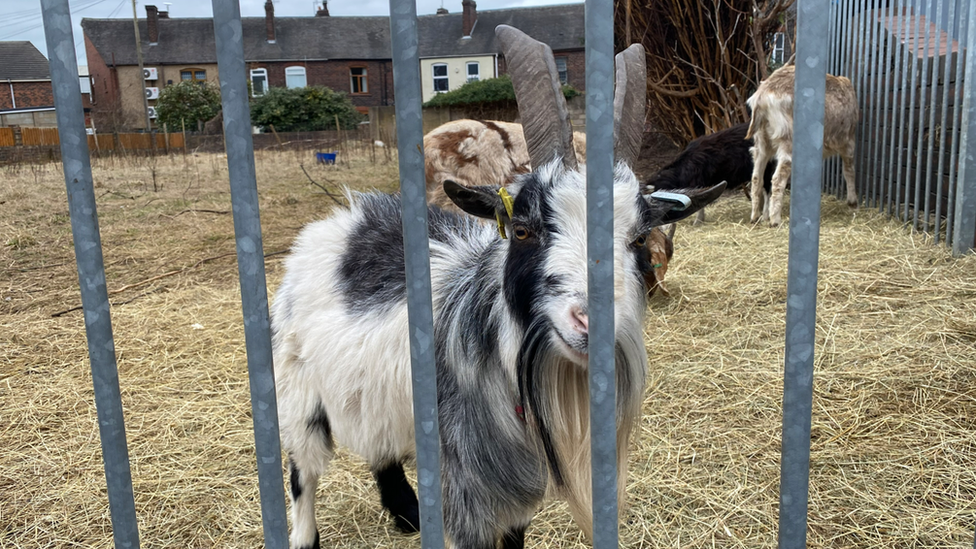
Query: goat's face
[(545, 282)]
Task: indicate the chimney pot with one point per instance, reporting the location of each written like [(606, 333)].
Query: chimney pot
[(269, 21), (442, 11), (152, 24), (323, 10)]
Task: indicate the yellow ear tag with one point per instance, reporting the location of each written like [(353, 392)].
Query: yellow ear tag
[(508, 201)]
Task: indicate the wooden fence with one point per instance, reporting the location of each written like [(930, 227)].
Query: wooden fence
[(48, 137), (7, 137)]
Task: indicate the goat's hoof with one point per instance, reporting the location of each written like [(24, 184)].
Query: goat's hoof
[(408, 525), (852, 204)]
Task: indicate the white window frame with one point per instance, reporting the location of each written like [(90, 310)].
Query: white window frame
[(446, 77), (477, 73), (295, 72), (259, 73), (564, 73), (779, 47)]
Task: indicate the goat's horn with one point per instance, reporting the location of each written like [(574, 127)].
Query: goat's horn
[(545, 118), (629, 103)]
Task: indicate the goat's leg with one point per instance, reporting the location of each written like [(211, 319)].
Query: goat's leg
[(760, 157), (780, 177), (852, 198), (514, 538), (398, 496), (700, 217), (304, 480)]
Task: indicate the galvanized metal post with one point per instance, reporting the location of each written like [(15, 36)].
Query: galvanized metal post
[(879, 20), (599, 236), (870, 118), (410, 139), (909, 150), (801, 285), (947, 75), (830, 170), (964, 231), (923, 90), (250, 268), (860, 64), (957, 129), (933, 102), (887, 31), (898, 90), (91, 270), (908, 48)]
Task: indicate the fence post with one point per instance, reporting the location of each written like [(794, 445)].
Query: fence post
[(599, 222), (410, 138), (965, 218), (250, 266), (91, 270), (801, 284)]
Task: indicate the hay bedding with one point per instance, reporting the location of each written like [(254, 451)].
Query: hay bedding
[(893, 457)]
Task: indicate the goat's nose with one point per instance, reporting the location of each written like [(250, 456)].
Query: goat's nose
[(581, 322)]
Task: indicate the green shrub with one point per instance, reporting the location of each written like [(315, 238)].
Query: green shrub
[(303, 109), (492, 90), (187, 102)]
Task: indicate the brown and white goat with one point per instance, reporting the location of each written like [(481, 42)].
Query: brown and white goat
[(478, 153), (771, 130)]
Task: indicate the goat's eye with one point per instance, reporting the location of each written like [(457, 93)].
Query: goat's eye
[(640, 241), (521, 232)]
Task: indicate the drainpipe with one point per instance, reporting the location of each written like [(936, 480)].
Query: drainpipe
[(13, 99)]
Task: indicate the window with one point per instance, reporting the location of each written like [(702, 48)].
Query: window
[(440, 78), (473, 71), (194, 75), (779, 48), (295, 77), (259, 82), (357, 80), (561, 67)]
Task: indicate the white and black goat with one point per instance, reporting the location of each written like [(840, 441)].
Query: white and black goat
[(710, 159), (771, 130), (510, 339)]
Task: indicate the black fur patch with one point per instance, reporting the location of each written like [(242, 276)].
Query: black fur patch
[(295, 480), (320, 422), (398, 497), (514, 538)]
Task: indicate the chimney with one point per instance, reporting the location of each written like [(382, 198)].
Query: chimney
[(470, 16), (324, 10), (164, 15), (269, 21), (442, 11), (152, 24)]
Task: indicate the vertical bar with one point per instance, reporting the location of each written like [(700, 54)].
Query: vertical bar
[(879, 20), (861, 57), (801, 283), (872, 99), (91, 270), (599, 245), (410, 139), (911, 110), (896, 105), (886, 91), (830, 175), (848, 61), (250, 268), (933, 101), (907, 48), (947, 78), (965, 221), (923, 90), (957, 107)]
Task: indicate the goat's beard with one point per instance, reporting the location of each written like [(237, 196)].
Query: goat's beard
[(554, 392)]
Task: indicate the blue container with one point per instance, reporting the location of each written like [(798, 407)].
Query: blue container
[(326, 158)]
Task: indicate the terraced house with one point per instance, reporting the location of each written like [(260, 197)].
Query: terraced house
[(348, 54)]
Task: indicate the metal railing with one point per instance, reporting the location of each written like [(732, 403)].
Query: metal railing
[(914, 158), (849, 30)]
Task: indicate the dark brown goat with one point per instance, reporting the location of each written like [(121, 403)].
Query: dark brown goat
[(709, 160)]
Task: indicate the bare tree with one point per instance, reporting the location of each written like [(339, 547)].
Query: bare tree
[(703, 58)]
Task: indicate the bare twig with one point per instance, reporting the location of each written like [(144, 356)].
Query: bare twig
[(332, 196)]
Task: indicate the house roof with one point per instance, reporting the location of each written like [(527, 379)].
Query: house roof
[(22, 61), (191, 40)]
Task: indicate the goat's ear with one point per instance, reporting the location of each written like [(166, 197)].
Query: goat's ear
[(671, 206), (477, 201)]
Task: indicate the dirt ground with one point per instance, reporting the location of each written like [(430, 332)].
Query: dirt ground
[(894, 425)]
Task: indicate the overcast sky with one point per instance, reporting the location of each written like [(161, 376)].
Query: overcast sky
[(21, 20)]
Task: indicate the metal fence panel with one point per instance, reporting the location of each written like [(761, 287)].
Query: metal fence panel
[(91, 270), (801, 285), (410, 139), (965, 219), (250, 267)]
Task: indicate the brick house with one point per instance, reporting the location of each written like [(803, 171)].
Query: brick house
[(28, 99), (347, 54)]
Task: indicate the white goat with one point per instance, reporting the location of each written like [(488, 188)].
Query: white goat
[(771, 130), (510, 341)]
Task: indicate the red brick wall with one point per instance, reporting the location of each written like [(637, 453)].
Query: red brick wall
[(575, 66), (104, 84), (335, 75), (26, 95)]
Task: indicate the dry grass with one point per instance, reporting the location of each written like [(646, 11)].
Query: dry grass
[(893, 457)]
